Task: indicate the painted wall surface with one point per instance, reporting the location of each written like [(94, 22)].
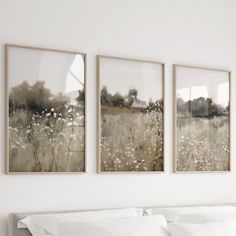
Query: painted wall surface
[(192, 32)]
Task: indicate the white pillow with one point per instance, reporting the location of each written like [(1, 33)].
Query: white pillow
[(132, 226), (172, 213), (207, 217), (37, 224), (207, 229)]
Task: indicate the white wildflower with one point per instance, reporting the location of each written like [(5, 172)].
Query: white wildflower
[(69, 124)]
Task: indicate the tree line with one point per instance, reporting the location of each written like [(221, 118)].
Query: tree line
[(117, 100), (38, 98), (201, 107)]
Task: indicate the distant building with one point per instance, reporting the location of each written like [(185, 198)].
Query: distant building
[(137, 104)]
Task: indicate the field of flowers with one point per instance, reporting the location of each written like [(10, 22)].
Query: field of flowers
[(132, 141), (203, 144), (46, 141)]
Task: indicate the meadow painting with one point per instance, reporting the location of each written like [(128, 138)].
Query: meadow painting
[(45, 110), (130, 115), (202, 119)]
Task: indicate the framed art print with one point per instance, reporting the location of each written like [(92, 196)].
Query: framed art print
[(130, 96), (45, 107), (201, 119)]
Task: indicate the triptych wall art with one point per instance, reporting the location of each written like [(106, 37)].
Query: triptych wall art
[(46, 111)]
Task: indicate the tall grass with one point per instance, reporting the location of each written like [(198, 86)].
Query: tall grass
[(203, 144), (46, 141), (132, 141)]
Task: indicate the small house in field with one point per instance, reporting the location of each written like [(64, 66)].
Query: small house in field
[(140, 105)]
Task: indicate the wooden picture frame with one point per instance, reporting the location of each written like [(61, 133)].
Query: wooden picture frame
[(42, 109), (203, 146), (123, 97)]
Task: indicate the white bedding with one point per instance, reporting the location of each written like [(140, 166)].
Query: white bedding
[(205, 229), (173, 214), (132, 226), (40, 224), (207, 217), (197, 221)]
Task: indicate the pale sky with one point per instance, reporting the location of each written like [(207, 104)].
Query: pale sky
[(122, 75), (60, 71), (195, 83)]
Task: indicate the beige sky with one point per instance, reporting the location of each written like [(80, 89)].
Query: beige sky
[(122, 75), (195, 83), (52, 67)]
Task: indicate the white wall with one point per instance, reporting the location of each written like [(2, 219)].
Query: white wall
[(197, 32)]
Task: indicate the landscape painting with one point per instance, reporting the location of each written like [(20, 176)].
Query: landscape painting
[(202, 119), (45, 96), (130, 115)]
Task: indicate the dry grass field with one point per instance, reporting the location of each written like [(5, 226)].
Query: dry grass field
[(131, 140), (203, 144), (46, 142)]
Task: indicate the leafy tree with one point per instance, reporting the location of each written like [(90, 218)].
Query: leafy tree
[(58, 103), (81, 96), (36, 98), (39, 97), (133, 93), (19, 96), (106, 98), (118, 100), (200, 107)]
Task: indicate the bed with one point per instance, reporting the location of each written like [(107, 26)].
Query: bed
[(15, 217)]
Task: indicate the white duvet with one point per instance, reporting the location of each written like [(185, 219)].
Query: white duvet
[(128, 222), (132, 226), (203, 229), (103, 223), (46, 224), (144, 226)]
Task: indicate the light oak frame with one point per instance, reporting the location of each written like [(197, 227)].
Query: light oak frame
[(99, 57), (6, 68), (175, 67)]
